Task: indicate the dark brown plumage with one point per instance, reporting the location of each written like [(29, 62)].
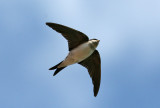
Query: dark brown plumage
[(74, 37), (93, 64)]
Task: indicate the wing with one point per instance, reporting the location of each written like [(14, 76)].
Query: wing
[(74, 37), (93, 64)]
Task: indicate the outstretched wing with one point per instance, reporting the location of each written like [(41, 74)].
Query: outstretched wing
[(74, 37), (93, 64)]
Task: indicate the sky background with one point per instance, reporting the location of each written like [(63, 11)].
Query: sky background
[(129, 31)]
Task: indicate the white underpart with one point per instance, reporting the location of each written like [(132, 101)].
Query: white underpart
[(77, 54)]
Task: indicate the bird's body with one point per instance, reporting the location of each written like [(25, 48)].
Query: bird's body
[(78, 54), (82, 51)]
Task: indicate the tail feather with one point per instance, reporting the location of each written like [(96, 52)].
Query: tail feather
[(54, 67), (57, 69)]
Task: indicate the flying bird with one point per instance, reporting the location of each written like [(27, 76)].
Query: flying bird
[(82, 51)]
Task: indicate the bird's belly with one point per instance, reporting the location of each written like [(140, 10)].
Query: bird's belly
[(77, 55), (80, 54)]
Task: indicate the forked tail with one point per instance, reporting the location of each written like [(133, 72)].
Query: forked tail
[(57, 69)]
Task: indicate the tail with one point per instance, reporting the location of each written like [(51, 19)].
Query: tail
[(57, 69)]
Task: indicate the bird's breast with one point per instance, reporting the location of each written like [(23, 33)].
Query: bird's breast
[(81, 52)]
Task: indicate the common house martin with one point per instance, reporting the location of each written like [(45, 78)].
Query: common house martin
[(82, 51)]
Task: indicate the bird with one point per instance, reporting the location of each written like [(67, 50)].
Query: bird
[(82, 51)]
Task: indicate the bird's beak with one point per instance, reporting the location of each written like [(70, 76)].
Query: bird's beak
[(98, 40)]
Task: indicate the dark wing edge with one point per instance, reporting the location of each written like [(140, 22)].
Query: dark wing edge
[(93, 64), (73, 36)]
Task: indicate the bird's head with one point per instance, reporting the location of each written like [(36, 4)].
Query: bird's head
[(94, 42)]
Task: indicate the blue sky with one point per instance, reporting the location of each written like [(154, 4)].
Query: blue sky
[(129, 49)]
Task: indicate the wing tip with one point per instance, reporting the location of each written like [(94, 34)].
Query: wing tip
[(96, 90), (48, 23), (95, 94), (52, 25)]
